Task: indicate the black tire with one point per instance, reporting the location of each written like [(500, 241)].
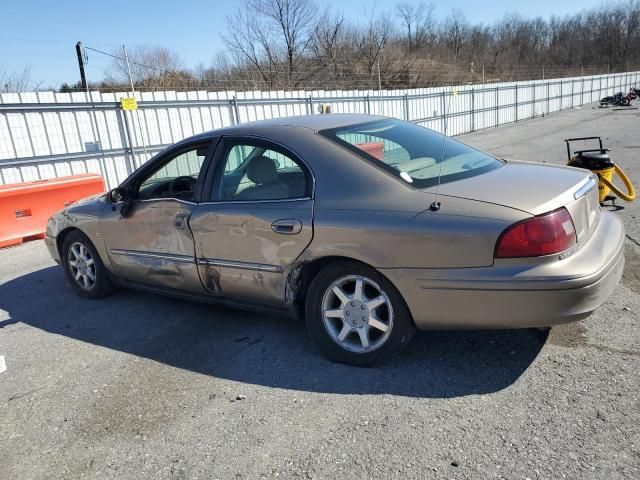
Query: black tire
[(98, 288), (400, 333)]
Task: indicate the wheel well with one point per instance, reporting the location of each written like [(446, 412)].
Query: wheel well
[(61, 236), (310, 269)]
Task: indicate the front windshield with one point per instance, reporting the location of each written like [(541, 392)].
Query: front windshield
[(413, 153)]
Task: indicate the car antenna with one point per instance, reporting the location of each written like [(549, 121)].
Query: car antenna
[(435, 206)]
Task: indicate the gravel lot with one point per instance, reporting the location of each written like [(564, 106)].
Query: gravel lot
[(141, 386)]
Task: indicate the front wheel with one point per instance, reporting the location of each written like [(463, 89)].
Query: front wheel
[(355, 315), (84, 268)]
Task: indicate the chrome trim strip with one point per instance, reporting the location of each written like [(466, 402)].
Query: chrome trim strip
[(283, 200), (163, 199), (589, 184), (261, 267), (160, 256)]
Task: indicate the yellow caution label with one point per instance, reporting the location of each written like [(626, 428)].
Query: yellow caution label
[(129, 103)]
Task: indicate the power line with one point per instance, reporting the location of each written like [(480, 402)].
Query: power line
[(130, 61)]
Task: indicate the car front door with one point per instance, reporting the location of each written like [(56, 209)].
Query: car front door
[(152, 243), (256, 222)]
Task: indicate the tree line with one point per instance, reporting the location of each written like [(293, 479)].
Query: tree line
[(295, 45)]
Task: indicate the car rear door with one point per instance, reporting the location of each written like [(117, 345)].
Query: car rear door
[(257, 220)]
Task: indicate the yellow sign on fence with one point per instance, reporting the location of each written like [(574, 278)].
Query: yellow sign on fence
[(129, 103)]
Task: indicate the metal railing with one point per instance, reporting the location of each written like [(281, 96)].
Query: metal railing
[(45, 135)]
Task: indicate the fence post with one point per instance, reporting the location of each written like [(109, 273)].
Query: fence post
[(548, 99), (573, 83), (131, 164), (236, 110), (443, 115), (473, 110), (232, 111), (406, 107), (497, 108), (561, 95), (533, 98), (368, 104), (582, 91), (309, 102), (516, 103)]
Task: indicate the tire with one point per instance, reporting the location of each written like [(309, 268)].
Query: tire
[(81, 262), (376, 314)]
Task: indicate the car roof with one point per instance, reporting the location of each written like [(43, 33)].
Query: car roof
[(309, 122)]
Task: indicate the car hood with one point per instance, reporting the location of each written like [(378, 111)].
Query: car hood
[(534, 188), (89, 199)]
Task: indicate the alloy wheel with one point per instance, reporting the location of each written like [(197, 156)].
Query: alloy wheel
[(82, 266), (357, 313)]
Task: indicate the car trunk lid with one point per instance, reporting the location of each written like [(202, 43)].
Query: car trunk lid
[(535, 189)]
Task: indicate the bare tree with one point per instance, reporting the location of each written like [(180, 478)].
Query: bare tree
[(455, 31), (418, 21), (292, 44), (151, 67), (372, 39), (17, 81), (267, 33), (249, 42), (328, 38)]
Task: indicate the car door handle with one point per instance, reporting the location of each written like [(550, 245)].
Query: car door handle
[(287, 226), (180, 221)]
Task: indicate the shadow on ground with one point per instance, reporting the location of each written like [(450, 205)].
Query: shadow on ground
[(262, 349)]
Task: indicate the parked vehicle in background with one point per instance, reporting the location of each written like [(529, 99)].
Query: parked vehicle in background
[(369, 227), (620, 99)]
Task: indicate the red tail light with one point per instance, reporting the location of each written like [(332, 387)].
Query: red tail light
[(546, 234)]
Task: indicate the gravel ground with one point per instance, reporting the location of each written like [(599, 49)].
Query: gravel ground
[(142, 386)]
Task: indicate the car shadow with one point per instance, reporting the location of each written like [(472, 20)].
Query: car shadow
[(264, 349)]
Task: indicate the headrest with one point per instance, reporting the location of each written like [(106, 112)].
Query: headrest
[(262, 170)]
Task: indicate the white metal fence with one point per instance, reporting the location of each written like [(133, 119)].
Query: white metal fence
[(45, 135)]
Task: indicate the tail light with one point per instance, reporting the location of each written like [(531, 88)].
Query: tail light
[(546, 234)]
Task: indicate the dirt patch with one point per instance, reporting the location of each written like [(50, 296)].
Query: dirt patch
[(568, 335), (631, 275)]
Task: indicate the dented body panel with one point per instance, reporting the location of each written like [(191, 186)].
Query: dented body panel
[(239, 254)]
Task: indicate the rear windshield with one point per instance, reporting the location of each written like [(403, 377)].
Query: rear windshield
[(412, 153)]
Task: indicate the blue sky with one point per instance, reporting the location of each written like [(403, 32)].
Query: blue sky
[(42, 34)]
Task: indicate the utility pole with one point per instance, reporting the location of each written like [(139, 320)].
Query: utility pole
[(83, 77), (133, 93)]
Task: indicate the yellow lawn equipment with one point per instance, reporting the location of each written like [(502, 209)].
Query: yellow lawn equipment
[(599, 162)]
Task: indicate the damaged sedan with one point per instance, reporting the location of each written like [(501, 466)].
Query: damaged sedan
[(367, 227)]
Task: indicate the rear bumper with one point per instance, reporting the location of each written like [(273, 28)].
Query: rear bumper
[(516, 295)]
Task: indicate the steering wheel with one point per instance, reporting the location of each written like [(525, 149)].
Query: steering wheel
[(182, 184)]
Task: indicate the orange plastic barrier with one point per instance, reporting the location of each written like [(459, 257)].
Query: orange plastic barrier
[(26, 207), (375, 149)]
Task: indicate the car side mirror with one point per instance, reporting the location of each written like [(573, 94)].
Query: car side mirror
[(118, 195)]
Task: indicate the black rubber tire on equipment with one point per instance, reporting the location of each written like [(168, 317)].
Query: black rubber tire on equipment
[(402, 331), (103, 285)]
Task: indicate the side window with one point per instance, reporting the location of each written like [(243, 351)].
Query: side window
[(176, 178), (255, 172)]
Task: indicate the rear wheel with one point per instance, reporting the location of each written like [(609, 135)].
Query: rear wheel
[(83, 267), (355, 315)]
